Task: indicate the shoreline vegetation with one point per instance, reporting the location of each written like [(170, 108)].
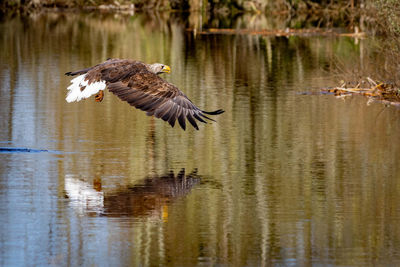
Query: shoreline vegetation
[(382, 15), (221, 6)]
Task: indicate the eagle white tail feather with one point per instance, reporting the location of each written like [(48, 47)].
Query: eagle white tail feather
[(76, 94)]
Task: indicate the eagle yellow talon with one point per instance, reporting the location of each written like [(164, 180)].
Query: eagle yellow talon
[(99, 97)]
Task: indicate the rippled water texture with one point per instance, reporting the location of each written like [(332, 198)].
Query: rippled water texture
[(282, 178)]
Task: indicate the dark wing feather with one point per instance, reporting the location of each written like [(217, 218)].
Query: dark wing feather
[(112, 70), (148, 92), (73, 73), (96, 67), (121, 70)]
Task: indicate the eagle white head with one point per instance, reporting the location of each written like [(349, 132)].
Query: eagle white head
[(158, 68)]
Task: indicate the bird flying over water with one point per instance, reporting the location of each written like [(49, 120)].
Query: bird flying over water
[(138, 84)]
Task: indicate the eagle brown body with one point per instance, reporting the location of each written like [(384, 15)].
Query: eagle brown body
[(138, 84)]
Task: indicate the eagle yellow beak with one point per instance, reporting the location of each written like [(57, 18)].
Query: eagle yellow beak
[(166, 69)]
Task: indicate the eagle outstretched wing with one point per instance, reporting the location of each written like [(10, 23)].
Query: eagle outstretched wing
[(133, 82)]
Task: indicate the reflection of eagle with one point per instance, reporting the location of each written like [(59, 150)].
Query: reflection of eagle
[(138, 84), (151, 197)]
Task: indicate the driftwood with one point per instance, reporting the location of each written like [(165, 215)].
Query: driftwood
[(277, 32), (385, 93)]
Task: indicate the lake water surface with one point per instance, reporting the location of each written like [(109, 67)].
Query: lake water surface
[(281, 178)]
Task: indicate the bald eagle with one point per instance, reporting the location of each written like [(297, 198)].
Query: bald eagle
[(138, 84)]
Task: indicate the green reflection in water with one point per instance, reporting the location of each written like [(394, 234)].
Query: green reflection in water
[(286, 178)]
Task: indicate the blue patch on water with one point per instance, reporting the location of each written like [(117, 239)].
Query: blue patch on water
[(24, 150)]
